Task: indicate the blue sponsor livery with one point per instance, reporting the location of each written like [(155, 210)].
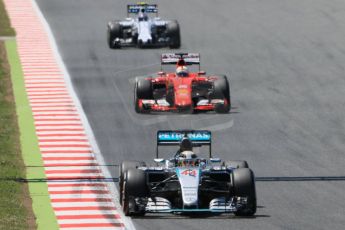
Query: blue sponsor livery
[(136, 8), (177, 136)]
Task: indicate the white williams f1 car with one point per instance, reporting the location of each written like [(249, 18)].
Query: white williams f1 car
[(143, 31), (187, 183)]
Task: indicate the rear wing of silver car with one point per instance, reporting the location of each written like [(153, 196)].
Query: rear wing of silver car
[(143, 8), (174, 137)]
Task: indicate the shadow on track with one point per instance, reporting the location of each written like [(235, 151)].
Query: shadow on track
[(298, 179), (234, 110), (116, 179), (198, 216), (57, 179)]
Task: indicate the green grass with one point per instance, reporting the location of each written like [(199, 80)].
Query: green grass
[(13, 195), (22, 205), (29, 144), (15, 202), (5, 26)]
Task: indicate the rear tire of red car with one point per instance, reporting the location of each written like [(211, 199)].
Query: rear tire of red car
[(243, 184), (173, 31), (143, 90), (221, 90)]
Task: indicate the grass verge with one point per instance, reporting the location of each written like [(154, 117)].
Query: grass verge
[(19, 147), (5, 26), (29, 144), (15, 202)]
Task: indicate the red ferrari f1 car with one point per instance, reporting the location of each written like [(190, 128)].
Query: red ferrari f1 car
[(182, 91)]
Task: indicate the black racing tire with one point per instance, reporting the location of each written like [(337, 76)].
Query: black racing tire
[(137, 107), (142, 90), (125, 166), (243, 184), (173, 32), (221, 90), (134, 186), (114, 31), (236, 164)]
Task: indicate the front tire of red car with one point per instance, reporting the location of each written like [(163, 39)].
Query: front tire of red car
[(221, 90), (142, 90), (221, 108)]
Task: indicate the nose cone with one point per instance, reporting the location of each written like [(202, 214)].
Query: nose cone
[(183, 92), (144, 31), (189, 181), (183, 98)]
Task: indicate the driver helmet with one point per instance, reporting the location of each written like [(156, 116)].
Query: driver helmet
[(186, 144), (143, 16), (188, 155), (182, 71), (187, 158)]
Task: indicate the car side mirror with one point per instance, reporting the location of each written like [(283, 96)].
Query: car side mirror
[(159, 160), (202, 72), (160, 73), (215, 160)]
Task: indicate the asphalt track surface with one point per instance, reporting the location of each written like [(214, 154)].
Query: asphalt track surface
[(285, 61)]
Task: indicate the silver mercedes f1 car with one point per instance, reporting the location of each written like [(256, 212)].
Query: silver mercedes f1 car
[(143, 31), (187, 183)]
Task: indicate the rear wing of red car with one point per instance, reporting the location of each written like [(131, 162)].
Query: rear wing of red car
[(174, 58), (142, 7), (174, 137)]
